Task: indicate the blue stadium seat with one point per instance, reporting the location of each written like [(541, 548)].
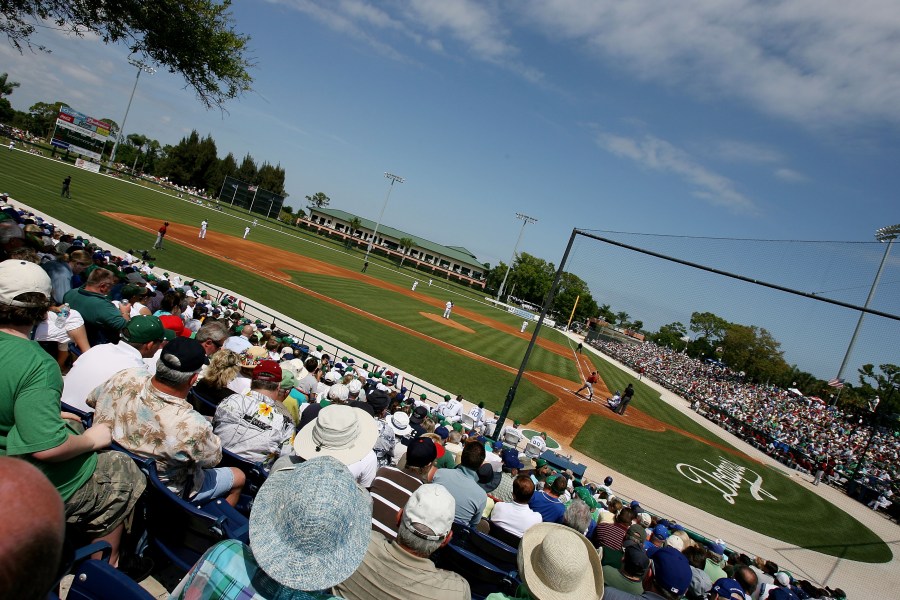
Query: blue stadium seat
[(499, 554), (87, 418), (98, 580), (256, 476), (510, 539), (180, 531), (483, 577), (204, 406)]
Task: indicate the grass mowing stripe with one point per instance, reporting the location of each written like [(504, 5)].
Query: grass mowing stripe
[(486, 341), (798, 516)]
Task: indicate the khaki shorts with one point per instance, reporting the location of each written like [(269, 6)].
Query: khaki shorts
[(108, 497)]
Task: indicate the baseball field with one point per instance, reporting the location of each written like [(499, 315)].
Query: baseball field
[(316, 281)]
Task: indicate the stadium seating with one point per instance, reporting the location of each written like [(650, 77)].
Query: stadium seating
[(498, 533), (180, 531), (483, 577), (499, 554), (202, 405), (98, 580)]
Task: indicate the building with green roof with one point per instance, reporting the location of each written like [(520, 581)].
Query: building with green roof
[(456, 261)]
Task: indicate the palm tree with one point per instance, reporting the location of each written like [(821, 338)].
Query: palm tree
[(622, 318), (405, 242), (6, 86), (319, 200)]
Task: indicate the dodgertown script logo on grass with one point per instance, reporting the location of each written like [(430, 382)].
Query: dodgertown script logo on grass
[(727, 478)]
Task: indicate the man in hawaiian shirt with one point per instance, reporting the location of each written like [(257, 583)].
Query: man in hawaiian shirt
[(150, 416)]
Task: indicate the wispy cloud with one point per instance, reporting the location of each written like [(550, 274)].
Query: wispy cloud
[(660, 155), (470, 28), (744, 152), (790, 175), (817, 62)]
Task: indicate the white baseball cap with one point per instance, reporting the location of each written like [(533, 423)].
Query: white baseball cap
[(21, 277), (432, 506)]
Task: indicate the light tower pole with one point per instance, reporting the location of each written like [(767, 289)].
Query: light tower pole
[(141, 68), (525, 221), (394, 179), (885, 234)]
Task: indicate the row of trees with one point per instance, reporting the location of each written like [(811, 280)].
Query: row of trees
[(531, 278)]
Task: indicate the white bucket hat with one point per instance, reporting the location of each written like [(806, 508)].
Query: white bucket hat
[(558, 563), (341, 431), (400, 423)]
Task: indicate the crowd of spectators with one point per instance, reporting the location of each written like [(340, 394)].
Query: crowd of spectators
[(367, 485), (804, 432)]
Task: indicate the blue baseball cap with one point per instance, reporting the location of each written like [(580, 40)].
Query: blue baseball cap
[(661, 532), (717, 549), (671, 570), (728, 589), (443, 432), (511, 459)]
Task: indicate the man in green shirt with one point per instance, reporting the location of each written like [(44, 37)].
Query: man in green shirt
[(103, 320), (628, 576), (99, 490)]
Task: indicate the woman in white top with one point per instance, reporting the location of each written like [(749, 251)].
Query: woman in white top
[(135, 294)]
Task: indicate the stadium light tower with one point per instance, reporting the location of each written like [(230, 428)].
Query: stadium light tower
[(525, 221), (394, 179), (885, 234), (141, 68)]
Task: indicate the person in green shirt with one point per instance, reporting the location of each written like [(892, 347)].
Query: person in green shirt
[(99, 490), (627, 577), (103, 320)]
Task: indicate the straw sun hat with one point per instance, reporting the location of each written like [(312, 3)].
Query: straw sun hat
[(558, 563)]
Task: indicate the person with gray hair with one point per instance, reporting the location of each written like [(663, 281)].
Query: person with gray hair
[(212, 336), (151, 417), (577, 516), (401, 569)]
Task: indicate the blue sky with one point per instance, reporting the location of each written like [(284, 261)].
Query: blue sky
[(775, 120)]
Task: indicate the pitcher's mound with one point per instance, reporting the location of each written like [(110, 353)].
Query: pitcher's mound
[(447, 322)]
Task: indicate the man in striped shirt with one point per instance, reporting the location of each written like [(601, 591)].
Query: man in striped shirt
[(393, 486)]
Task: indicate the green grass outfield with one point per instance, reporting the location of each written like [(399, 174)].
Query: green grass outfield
[(799, 516)]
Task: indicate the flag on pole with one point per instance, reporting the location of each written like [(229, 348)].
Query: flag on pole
[(873, 403), (251, 188), (836, 383)]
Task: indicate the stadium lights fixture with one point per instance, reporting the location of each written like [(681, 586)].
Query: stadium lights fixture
[(141, 68), (394, 179), (885, 234), (525, 221)]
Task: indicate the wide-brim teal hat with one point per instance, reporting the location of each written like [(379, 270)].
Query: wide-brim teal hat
[(304, 539)]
